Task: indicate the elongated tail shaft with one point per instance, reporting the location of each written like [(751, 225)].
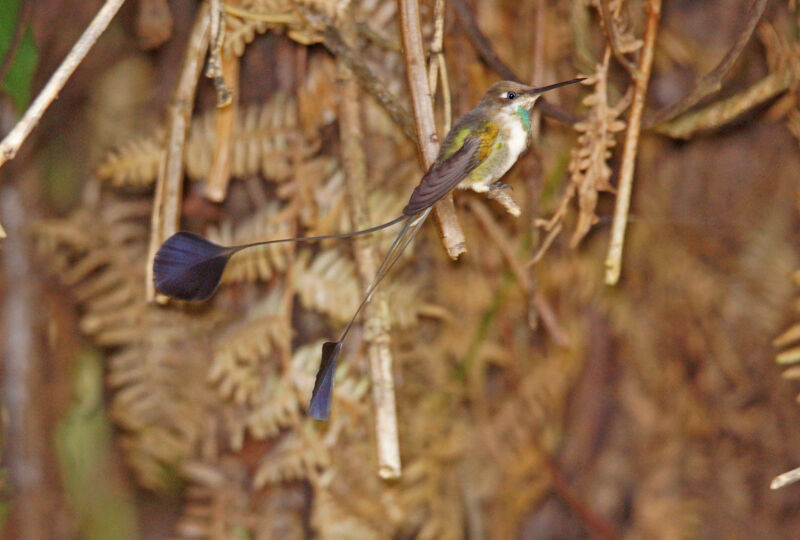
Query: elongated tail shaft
[(320, 405), (189, 267)]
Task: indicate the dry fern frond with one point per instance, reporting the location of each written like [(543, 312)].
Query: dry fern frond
[(266, 140), (588, 167), (789, 341), (284, 397), (327, 283), (351, 388), (160, 394), (135, 163), (293, 458), (316, 97), (304, 21), (258, 263), (332, 520), (241, 353), (240, 31), (221, 503)]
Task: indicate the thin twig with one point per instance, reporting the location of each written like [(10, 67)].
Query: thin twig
[(721, 112), (13, 141), (487, 54), (499, 239), (214, 69), (452, 235), (354, 163), (537, 67), (640, 80), (549, 319), (785, 479), (372, 84), (438, 67), (277, 18), (607, 18), (534, 177), (378, 39), (548, 241), (712, 82), (169, 185), (219, 174), (23, 18), (480, 41), (594, 523)]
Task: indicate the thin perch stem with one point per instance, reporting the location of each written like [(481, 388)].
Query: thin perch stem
[(11, 144), (452, 235), (640, 81), (354, 163), (169, 185)]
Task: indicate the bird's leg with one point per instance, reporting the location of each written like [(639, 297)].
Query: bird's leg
[(498, 192), (500, 185)]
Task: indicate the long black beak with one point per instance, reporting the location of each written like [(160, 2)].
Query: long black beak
[(544, 89)]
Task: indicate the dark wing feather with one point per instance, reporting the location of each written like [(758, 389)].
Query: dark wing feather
[(443, 177)]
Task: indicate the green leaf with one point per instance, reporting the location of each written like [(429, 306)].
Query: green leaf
[(20, 76)]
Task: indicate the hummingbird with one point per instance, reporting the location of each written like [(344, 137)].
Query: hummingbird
[(479, 149)]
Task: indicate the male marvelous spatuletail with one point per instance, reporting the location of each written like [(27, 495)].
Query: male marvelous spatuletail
[(479, 149)]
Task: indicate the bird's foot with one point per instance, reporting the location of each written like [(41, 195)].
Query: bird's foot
[(500, 194), (500, 185)]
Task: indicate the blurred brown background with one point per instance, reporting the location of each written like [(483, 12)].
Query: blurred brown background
[(533, 401)]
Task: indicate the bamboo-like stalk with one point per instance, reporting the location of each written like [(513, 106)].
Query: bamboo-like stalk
[(219, 174), (427, 139), (641, 78), (376, 320), (12, 142), (169, 185)]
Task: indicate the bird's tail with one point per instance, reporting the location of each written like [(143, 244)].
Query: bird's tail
[(320, 404), (189, 267)]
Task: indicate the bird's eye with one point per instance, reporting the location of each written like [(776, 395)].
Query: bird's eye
[(511, 95)]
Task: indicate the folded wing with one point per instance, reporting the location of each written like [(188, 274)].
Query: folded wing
[(444, 176)]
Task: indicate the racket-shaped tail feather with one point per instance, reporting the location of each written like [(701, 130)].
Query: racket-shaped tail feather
[(320, 406), (189, 267)]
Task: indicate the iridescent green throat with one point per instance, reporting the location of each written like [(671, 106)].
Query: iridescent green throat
[(525, 116)]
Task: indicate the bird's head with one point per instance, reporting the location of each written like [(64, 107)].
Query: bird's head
[(510, 95)]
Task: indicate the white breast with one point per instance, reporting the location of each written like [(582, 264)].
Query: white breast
[(517, 139)]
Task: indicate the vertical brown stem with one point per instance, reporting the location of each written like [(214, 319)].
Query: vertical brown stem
[(169, 186), (219, 173), (354, 163), (452, 235), (640, 81)]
